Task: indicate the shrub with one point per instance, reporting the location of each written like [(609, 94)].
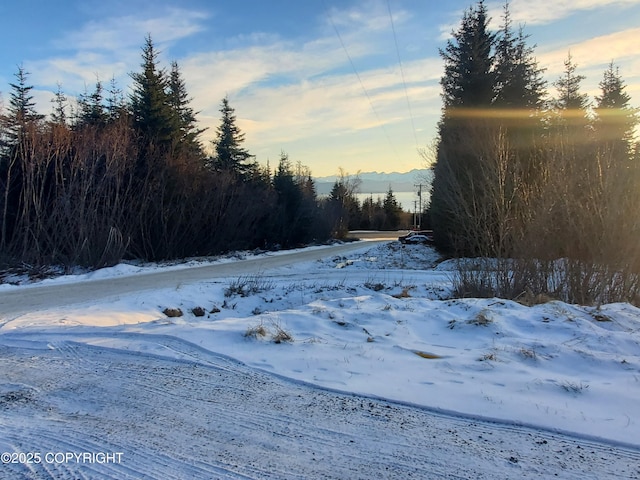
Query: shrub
[(248, 285), (256, 331), (482, 319), (557, 223), (281, 335)]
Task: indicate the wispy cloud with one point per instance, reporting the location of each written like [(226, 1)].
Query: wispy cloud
[(284, 92), (595, 52), (299, 96), (115, 33), (593, 56), (281, 69), (82, 70), (547, 11), (328, 108), (372, 16), (110, 48), (540, 12)]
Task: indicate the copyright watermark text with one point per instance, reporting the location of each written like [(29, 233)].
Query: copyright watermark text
[(61, 457)]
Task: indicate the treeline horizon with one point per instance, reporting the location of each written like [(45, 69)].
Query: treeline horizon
[(547, 188), (119, 176)]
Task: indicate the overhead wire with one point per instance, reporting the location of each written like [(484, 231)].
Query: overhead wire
[(404, 82), (355, 70)]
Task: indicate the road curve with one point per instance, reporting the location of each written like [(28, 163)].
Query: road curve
[(31, 298)]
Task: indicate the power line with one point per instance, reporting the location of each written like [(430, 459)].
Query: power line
[(404, 83), (355, 70)]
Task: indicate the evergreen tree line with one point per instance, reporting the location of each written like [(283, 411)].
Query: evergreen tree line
[(549, 186), (126, 176), (345, 212)]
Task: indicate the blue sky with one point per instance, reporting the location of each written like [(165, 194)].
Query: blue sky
[(290, 75)]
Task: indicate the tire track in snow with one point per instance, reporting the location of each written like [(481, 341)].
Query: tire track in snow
[(48, 433), (206, 416)]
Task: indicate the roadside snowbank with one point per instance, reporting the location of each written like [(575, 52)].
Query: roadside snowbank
[(379, 322)]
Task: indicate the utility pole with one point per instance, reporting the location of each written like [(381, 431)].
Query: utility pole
[(420, 185)]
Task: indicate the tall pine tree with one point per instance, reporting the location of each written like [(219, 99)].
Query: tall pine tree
[(519, 101), (469, 79), (22, 108), (184, 115), (616, 119), (291, 224), (230, 156), (619, 171), (571, 124), (569, 97), (91, 109), (392, 210), (59, 101), (519, 85), (17, 162), (468, 88), (150, 106), (116, 104), (492, 94), (571, 107)]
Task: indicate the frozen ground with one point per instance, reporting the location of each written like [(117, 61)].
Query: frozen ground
[(377, 374)]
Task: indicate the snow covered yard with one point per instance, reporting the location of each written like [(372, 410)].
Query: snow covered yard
[(377, 322)]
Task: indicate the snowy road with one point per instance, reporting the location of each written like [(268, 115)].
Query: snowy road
[(47, 296), (195, 414)]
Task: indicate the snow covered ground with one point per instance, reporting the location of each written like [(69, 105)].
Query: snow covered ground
[(377, 322)]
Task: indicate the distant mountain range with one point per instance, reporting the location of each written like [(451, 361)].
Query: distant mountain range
[(375, 182)]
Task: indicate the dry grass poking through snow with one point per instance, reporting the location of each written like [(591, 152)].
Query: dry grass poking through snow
[(256, 331), (248, 285), (275, 332)]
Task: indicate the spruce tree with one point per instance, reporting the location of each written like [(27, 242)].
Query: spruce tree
[(289, 219), (568, 85), (150, 107), (22, 108), (574, 197), (519, 84), (343, 208), (116, 105), (616, 119), (392, 211), (230, 156), (91, 109), (184, 115), (21, 127), (468, 89), (469, 79), (59, 101), (619, 171), (156, 177), (571, 106), (571, 121), (519, 101)]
